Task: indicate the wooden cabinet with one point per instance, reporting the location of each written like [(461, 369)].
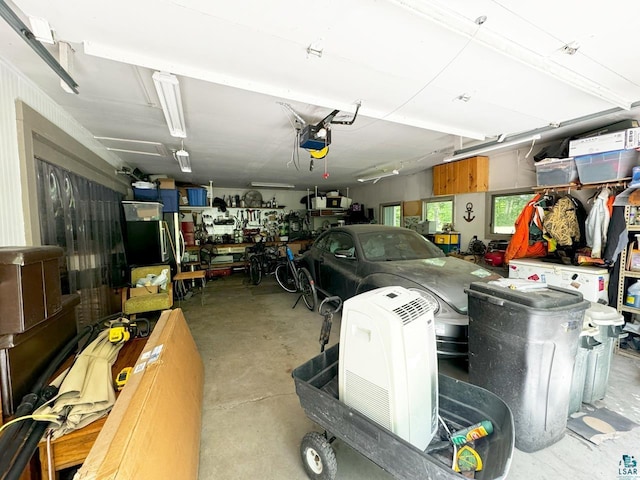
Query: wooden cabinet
[(464, 176)]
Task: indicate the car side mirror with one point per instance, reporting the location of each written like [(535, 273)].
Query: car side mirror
[(348, 254)]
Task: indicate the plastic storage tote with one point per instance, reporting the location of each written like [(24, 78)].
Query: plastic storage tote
[(145, 194), (197, 197), (609, 324), (586, 344), (142, 211), (169, 199), (556, 171), (522, 347), (605, 167)]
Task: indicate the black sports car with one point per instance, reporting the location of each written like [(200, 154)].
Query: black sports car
[(349, 260)]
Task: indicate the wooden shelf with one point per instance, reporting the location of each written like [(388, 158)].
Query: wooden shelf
[(198, 209), (622, 182), (328, 212), (625, 308), (630, 274)]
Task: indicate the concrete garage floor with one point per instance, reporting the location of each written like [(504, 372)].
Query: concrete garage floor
[(250, 339)]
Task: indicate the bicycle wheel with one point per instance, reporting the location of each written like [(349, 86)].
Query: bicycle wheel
[(307, 288), (285, 278), (255, 270)]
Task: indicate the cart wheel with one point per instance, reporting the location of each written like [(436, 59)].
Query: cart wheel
[(318, 457)]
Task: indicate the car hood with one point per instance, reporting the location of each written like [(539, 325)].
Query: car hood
[(447, 277)]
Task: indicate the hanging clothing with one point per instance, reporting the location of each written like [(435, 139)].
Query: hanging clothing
[(521, 245), (617, 236), (562, 222), (597, 223)]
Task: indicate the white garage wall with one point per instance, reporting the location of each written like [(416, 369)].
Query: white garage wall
[(507, 170), (15, 86)]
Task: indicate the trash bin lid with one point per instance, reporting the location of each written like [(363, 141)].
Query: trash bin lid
[(598, 314), (539, 298)]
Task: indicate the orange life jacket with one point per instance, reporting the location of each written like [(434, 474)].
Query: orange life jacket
[(519, 245)]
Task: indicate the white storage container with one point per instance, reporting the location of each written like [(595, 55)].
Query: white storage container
[(318, 202), (591, 282)]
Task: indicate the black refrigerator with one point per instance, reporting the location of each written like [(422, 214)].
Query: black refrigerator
[(146, 238)]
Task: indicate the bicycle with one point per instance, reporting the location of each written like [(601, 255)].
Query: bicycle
[(264, 261), (296, 279)]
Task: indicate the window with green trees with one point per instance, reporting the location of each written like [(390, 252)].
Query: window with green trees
[(440, 212), (391, 215), (505, 209)]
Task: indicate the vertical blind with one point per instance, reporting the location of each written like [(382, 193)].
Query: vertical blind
[(83, 217)]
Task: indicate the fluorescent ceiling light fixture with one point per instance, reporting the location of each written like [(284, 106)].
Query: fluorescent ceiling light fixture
[(271, 185), (182, 156), (168, 90), (480, 149), (377, 177)]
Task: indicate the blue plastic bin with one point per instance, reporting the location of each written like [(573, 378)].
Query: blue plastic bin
[(197, 197), (169, 199), (145, 194)]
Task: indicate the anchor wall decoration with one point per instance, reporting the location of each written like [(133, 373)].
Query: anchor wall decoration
[(469, 208)]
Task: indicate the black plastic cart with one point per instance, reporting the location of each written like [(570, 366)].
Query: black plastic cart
[(460, 405)]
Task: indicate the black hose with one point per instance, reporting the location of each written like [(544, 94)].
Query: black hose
[(26, 451), (19, 441), (10, 438)]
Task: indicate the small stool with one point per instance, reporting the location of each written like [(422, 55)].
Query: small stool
[(197, 274)]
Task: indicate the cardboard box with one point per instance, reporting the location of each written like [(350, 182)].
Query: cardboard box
[(620, 140), (153, 430), (167, 183), (138, 291), (183, 198)]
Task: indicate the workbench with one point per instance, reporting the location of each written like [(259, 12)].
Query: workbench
[(296, 247)]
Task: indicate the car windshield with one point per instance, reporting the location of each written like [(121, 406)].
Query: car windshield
[(397, 245)]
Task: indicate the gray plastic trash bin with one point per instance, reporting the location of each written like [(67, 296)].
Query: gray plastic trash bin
[(522, 347), (586, 343), (609, 324)]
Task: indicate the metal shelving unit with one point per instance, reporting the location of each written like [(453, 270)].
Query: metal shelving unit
[(624, 273)]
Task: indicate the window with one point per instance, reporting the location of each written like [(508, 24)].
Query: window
[(334, 242), (392, 215), (438, 212), (505, 208)]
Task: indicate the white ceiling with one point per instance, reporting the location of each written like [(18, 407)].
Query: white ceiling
[(406, 61)]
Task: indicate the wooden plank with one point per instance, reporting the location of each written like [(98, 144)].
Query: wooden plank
[(465, 173), (452, 173), (439, 175), (478, 174)]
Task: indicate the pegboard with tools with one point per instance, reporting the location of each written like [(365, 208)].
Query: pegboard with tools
[(244, 224)]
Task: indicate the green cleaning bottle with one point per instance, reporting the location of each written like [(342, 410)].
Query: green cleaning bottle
[(469, 434)]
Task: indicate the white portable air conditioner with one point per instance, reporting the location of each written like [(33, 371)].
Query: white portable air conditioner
[(388, 367)]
